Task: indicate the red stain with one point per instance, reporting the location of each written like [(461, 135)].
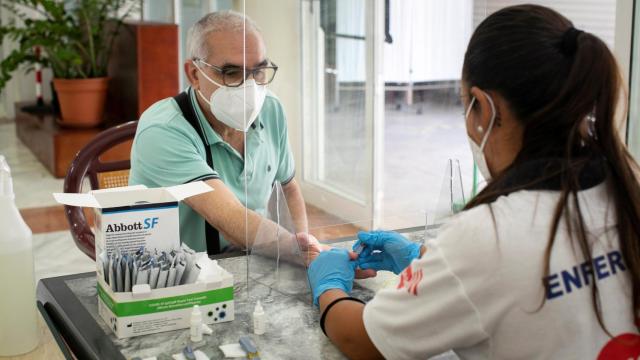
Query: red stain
[(622, 347), (410, 280)]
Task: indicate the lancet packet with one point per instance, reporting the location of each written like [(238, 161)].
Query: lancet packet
[(158, 269)]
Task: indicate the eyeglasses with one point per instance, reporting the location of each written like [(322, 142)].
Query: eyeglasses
[(234, 76)]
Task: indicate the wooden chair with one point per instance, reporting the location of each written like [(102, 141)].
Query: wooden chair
[(91, 163)]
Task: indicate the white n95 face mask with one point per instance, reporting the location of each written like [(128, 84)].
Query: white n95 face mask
[(478, 151), (236, 107)]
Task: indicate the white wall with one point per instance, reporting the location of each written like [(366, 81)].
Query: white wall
[(280, 24), (595, 16)]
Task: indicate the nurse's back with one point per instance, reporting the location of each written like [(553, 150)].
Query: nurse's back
[(556, 232), (500, 268)]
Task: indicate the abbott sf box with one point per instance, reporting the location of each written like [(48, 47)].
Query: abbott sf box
[(133, 216)]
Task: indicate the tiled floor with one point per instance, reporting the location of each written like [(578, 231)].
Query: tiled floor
[(32, 183)]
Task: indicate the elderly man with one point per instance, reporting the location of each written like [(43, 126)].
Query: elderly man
[(226, 129)]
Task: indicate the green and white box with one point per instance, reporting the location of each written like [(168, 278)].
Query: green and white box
[(134, 216), (144, 311)]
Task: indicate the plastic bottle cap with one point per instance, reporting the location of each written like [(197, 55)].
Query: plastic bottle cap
[(258, 309)]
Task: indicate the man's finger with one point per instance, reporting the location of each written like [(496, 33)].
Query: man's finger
[(365, 273), (376, 257)]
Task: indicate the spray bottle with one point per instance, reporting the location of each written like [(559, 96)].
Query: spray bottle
[(18, 317)]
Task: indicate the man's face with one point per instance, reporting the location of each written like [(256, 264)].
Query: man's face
[(227, 53)]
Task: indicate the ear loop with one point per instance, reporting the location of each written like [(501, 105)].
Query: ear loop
[(208, 78), (493, 119), (474, 183)]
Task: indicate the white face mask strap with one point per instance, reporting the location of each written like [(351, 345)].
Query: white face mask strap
[(205, 75), (493, 119), (473, 101), (203, 98)]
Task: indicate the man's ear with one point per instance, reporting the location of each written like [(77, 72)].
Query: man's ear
[(486, 109), (192, 74)]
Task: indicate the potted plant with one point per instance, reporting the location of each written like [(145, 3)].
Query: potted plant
[(76, 37)]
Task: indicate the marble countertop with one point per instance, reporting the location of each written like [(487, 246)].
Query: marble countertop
[(293, 329)]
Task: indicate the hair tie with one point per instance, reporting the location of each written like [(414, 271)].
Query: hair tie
[(569, 43)]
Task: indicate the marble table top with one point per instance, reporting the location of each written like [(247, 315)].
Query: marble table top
[(293, 329)]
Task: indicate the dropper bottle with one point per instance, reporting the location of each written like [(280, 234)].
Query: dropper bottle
[(196, 324), (259, 319), (18, 316)]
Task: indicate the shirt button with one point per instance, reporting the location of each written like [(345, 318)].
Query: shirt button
[(268, 168)]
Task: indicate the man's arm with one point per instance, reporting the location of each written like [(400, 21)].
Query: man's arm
[(295, 202), (223, 210), (242, 226)]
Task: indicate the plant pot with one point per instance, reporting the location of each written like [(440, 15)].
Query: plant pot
[(81, 101)]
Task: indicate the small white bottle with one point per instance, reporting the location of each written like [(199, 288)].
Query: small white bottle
[(196, 324), (18, 314), (259, 319)]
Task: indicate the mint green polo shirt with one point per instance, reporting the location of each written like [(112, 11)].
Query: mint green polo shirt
[(168, 151)]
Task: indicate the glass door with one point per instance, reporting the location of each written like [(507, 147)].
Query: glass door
[(341, 89), (633, 131)]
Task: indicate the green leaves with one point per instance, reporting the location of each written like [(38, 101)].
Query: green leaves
[(73, 34)]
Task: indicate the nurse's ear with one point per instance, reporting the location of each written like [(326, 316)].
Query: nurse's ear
[(482, 112), (192, 73)]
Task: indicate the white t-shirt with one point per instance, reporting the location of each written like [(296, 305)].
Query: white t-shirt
[(480, 294)]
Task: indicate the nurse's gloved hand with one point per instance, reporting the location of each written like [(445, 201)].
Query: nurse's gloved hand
[(386, 250), (332, 269)]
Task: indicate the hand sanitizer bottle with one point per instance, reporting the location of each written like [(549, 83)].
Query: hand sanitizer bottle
[(18, 317)]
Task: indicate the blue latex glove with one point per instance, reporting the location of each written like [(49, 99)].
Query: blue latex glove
[(386, 250), (332, 269)]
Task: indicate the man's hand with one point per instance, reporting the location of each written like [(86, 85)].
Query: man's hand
[(311, 248)]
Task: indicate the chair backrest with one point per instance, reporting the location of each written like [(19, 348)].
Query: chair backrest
[(90, 163)]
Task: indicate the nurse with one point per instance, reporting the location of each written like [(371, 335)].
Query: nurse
[(545, 261)]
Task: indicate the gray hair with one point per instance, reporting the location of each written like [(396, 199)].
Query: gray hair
[(228, 20)]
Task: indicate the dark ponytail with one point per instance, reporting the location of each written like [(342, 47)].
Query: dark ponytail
[(563, 85)]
